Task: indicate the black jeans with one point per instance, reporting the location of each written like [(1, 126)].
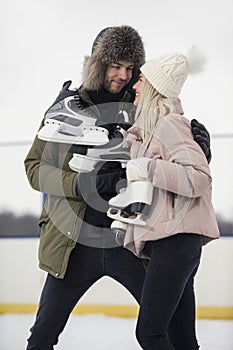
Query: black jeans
[(167, 312), (86, 266)]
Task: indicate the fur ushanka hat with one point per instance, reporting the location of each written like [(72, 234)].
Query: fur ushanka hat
[(112, 45)]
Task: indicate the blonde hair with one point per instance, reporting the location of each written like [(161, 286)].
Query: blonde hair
[(151, 108)]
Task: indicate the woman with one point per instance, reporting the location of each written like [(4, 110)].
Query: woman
[(168, 162)]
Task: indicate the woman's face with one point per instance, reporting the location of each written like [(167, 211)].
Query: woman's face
[(138, 88)]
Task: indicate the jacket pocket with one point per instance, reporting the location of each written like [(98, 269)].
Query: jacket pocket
[(44, 218), (171, 198)]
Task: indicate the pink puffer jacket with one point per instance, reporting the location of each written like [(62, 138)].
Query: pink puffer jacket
[(182, 185)]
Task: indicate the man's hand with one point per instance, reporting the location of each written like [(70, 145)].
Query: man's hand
[(101, 182), (202, 137)]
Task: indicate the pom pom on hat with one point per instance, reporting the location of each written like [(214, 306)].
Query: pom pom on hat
[(168, 73), (196, 60)]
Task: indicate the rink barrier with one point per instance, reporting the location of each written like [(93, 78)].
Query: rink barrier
[(131, 311)]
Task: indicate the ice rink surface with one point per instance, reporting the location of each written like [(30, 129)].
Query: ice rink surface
[(100, 332)]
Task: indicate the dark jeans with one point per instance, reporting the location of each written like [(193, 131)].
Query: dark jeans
[(86, 266), (167, 312)]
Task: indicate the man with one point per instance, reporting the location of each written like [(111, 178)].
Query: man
[(77, 246)]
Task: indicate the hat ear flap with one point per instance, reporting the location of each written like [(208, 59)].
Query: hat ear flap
[(93, 73)]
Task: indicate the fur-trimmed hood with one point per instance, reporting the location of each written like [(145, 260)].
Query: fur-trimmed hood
[(112, 45)]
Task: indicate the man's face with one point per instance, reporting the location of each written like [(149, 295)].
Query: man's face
[(118, 75)]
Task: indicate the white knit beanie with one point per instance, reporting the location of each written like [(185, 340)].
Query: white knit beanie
[(168, 73)]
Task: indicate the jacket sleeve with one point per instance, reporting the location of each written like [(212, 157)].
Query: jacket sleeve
[(44, 172), (184, 170)]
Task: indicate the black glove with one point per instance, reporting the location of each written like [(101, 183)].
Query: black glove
[(105, 182), (65, 92), (202, 137)]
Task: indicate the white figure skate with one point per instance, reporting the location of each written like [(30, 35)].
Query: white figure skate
[(64, 125), (112, 151), (132, 203)]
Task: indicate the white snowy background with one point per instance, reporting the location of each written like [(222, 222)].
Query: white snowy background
[(43, 43)]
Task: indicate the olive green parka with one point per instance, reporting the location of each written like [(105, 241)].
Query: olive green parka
[(47, 170)]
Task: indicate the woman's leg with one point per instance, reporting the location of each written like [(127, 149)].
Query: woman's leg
[(182, 328), (172, 262)]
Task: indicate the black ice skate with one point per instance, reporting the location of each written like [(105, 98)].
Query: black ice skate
[(65, 123), (112, 151)]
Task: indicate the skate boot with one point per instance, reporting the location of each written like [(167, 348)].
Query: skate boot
[(132, 203), (73, 130), (112, 151), (66, 123)]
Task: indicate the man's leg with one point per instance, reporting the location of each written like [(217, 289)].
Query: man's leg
[(125, 268), (59, 297)]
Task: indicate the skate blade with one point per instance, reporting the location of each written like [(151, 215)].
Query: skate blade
[(84, 164), (54, 132), (116, 214)]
